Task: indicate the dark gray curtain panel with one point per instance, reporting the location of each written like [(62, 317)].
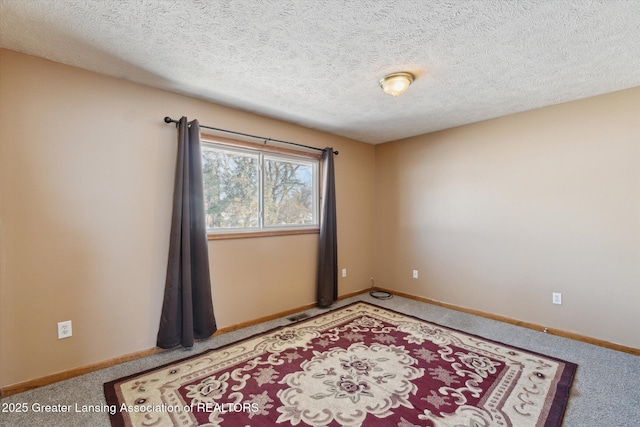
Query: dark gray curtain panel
[(327, 287), (187, 311)]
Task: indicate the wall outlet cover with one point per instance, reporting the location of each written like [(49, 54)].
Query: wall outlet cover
[(64, 329)]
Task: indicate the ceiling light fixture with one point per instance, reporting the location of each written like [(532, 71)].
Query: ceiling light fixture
[(396, 83)]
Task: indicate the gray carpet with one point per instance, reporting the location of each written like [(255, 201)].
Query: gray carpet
[(605, 391)]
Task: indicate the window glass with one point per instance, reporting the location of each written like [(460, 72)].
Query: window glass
[(230, 189), (289, 192), (250, 190)]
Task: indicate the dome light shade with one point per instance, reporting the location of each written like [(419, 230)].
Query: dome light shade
[(396, 83)]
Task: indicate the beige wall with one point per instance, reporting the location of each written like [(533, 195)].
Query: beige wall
[(495, 216), (86, 171), (498, 215)]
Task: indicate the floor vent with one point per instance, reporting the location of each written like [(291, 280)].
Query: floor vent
[(298, 317)]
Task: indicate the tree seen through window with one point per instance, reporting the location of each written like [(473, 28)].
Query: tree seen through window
[(251, 190)]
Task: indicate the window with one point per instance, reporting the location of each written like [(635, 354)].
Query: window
[(250, 189)]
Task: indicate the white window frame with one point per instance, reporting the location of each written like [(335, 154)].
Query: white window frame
[(263, 153)]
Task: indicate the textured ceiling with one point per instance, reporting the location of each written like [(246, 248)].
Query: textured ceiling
[(317, 63)]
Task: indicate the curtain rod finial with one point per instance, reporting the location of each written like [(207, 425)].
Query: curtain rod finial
[(168, 119)]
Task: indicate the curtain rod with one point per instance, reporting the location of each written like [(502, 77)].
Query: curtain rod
[(170, 120)]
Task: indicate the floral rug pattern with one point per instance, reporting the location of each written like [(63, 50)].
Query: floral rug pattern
[(360, 365)]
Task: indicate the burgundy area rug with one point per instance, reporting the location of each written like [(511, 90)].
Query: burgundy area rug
[(360, 365)]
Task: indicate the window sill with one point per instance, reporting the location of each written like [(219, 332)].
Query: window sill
[(248, 235)]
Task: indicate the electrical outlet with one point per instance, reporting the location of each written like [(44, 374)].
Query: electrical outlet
[(415, 274), (344, 272), (64, 329), (556, 297)]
